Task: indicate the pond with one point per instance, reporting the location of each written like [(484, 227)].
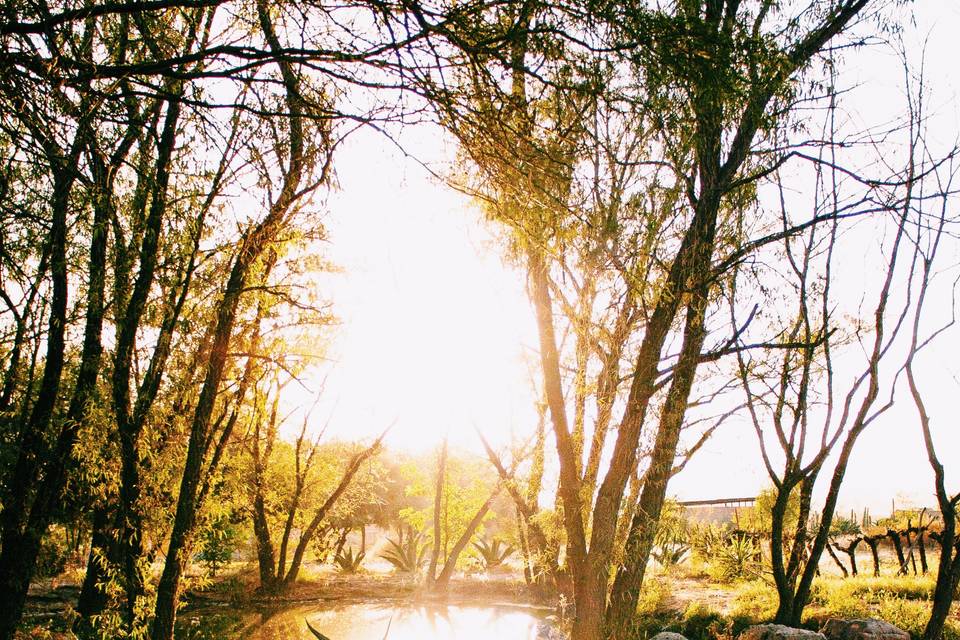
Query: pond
[(432, 621)]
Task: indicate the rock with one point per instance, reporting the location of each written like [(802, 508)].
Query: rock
[(668, 635), (778, 632), (862, 629)]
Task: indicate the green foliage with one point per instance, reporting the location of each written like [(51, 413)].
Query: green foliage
[(653, 596), (54, 553), (701, 621), (348, 562), (900, 600), (406, 556), (727, 555), (492, 554), (759, 518), (672, 540), (850, 594), (900, 519), (756, 602), (669, 554), (218, 541), (466, 487), (841, 526)]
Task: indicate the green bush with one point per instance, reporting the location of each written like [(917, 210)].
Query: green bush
[(406, 556), (54, 553), (724, 554), (756, 602), (701, 622), (218, 541), (348, 562), (492, 554)]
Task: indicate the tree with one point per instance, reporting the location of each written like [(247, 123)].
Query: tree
[(931, 229), (708, 83), (807, 428)]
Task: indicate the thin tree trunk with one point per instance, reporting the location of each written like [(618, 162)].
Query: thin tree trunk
[(872, 542), (894, 537), (437, 503), (261, 532), (450, 563), (321, 513), (251, 247), (836, 560), (130, 522), (922, 548), (93, 598), (851, 551)]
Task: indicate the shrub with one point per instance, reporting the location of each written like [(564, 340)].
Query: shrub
[(653, 596), (701, 622), (756, 602), (672, 540), (348, 562), (492, 554), (670, 553), (218, 541), (406, 556), (727, 555), (54, 553)]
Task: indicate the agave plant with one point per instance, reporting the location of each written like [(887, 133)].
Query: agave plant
[(669, 553), (347, 562), (406, 556), (492, 554)]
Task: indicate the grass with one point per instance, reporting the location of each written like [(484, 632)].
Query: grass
[(903, 601)]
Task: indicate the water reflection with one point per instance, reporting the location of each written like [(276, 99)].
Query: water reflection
[(370, 622)]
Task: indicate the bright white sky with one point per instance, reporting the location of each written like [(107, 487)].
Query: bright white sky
[(437, 331)]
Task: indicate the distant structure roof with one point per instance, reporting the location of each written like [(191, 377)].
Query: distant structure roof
[(720, 502), (716, 510)]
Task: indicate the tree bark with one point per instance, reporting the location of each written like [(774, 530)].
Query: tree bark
[(321, 513), (836, 560), (22, 523), (872, 542), (437, 504), (894, 537), (643, 528), (450, 563)]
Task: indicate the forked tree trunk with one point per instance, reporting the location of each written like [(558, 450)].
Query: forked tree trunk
[(646, 519), (851, 551), (24, 523), (251, 247)]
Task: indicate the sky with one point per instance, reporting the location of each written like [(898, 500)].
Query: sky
[(437, 337)]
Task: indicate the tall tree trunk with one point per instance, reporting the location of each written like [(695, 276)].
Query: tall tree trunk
[(251, 248), (836, 559), (646, 519), (93, 598), (261, 532), (437, 504), (130, 525), (894, 537)]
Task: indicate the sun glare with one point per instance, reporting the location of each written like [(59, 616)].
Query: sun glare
[(435, 329)]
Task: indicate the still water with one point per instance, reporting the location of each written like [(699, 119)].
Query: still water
[(370, 622)]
